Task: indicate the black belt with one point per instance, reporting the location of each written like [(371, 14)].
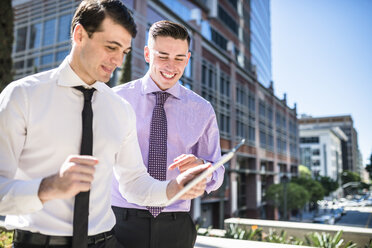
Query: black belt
[(146, 214), (31, 238)]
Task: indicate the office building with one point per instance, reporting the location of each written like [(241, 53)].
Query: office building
[(350, 151), (321, 151)]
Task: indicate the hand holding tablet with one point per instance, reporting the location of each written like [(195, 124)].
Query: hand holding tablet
[(224, 159)]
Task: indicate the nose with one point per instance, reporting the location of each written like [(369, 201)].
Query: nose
[(170, 64), (117, 59)]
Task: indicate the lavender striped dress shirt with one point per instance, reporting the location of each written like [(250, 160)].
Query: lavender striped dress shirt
[(192, 129)]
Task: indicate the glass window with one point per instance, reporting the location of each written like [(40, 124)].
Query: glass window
[(34, 62), (64, 23), (204, 74), (49, 28), (262, 139), (35, 35), (47, 59), (19, 64), (188, 69), (252, 134), (21, 39), (227, 19), (61, 55)]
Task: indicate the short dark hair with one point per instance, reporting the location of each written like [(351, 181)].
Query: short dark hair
[(169, 29), (91, 13)]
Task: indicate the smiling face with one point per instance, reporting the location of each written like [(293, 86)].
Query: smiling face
[(167, 58), (95, 58)]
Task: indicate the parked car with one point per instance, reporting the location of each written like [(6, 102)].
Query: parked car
[(325, 219)]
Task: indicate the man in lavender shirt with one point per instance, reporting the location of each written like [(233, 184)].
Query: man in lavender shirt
[(193, 139)]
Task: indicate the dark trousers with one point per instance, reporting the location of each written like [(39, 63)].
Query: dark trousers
[(106, 243), (139, 229)]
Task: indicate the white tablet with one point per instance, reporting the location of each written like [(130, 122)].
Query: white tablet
[(224, 159)]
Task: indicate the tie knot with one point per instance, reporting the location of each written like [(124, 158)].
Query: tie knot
[(161, 97), (88, 93)]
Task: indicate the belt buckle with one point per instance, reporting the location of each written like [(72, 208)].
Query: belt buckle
[(98, 239)]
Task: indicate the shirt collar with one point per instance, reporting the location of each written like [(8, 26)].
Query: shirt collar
[(68, 78), (149, 86)]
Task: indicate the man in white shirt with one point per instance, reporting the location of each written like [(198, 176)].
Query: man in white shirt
[(41, 130)]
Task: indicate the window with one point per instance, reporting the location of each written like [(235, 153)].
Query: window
[(49, 30), (316, 152), (234, 3), (218, 39), (251, 134), (35, 35), (204, 74), (47, 59), (224, 86), (61, 55), (21, 39), (227, 19), (251, 103), (262, 139), (262, 109), (224, 123), (309, 140), (64, 23), (316, 162)]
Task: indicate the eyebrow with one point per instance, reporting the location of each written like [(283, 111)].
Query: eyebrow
[(114, 42), (118, 44), (167, 54)]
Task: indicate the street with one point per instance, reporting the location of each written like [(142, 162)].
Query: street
[(357, 217)]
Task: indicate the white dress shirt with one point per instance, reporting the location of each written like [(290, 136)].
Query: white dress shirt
[(40, 123)]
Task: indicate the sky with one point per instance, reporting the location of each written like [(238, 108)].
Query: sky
[(322, 59)]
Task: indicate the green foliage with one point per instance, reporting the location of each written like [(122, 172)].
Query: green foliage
[(126, 72), (275, 237), (325, 240), (6, 238), (303, 171), (328, 184), (369, 245), (349, 176), (369, 167), (313, 187), (235, 232), (297, 196), (6, 42)]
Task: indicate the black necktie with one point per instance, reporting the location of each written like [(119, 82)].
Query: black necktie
[(81, 208)]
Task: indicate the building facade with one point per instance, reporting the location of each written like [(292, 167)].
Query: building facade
[(321, 151), (350, 150), (220, 70)]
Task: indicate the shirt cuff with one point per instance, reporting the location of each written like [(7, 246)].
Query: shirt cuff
[(27, 197), (160, 193)]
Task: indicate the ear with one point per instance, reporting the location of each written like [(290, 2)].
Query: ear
[(146, 52), (188, 58), (78, 34)]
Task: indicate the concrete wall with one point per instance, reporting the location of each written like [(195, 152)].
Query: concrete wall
[(358, 235)]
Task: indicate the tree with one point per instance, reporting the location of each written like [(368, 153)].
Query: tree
[(6, 42), (369, 167), (313, 187), (126, 72), (349, 176), (328, 184), (303, 171), (297, 196)]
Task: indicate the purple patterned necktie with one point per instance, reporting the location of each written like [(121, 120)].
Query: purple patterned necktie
[(157, 163)]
